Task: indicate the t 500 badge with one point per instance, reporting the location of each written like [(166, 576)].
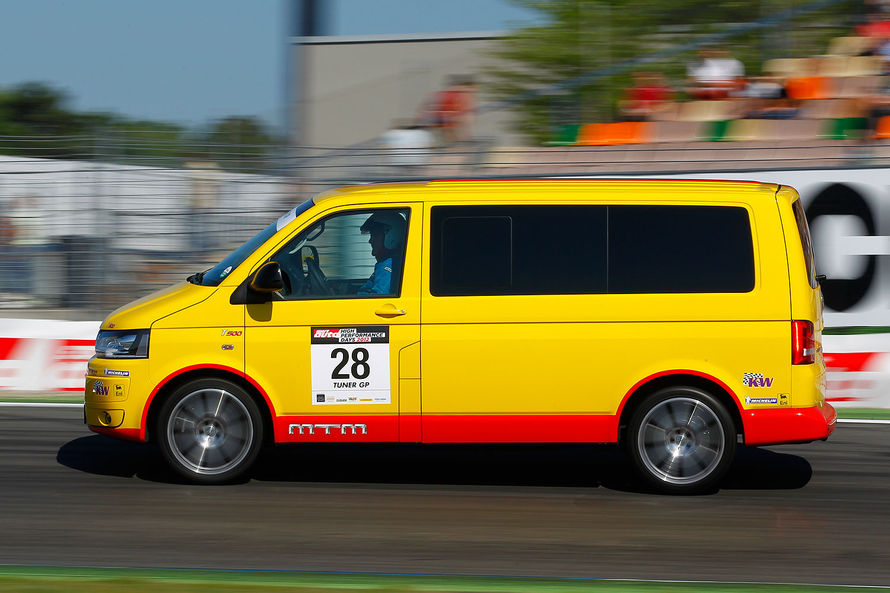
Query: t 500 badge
[(756, 380)]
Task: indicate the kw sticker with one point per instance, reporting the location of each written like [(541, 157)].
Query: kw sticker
[(757, 380)]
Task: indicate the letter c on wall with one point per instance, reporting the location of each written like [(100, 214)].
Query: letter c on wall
[(841, 200)]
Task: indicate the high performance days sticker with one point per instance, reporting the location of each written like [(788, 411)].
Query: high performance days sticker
[(350, 365)]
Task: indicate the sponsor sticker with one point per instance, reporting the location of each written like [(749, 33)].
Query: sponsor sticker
[(286, 219), (753, 401), (350, 365), (757, 380), (116, 373)]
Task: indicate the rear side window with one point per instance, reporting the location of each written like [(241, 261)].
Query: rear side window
[(803, 230), (484, 250), (490, 250), (680, 249)]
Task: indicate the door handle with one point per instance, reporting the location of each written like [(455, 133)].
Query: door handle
[(389, 310)]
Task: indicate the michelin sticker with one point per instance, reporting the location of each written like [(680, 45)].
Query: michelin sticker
[(350, 365)]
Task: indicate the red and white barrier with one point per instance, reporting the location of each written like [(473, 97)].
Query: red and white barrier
[(45, 354)]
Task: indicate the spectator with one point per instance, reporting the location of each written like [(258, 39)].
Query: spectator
[(715, 75), (451, 110), (649, 95), (875, 106), (769, 100), (876, 25)]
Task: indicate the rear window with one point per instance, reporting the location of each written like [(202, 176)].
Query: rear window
[(803, 230), (490, 250), (680, 249)]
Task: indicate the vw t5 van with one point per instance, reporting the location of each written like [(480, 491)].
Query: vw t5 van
[(678, 319)]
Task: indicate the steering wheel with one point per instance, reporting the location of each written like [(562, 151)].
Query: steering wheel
[(318, 283)]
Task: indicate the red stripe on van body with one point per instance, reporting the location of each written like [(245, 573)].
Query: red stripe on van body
[(337, 429), (448, 428), (127, 434), (519, 428), (791, 425)]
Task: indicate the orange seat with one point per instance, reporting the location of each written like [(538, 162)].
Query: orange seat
[(882, 130), (808, 87), (623, 132)]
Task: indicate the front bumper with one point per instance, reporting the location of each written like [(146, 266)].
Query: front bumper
[(108, 405), (789, 425)]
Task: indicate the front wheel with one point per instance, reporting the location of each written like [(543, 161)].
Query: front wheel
[(682, 440), (210, 431)]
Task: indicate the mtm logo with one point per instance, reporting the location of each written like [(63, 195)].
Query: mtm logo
[(343, 428)]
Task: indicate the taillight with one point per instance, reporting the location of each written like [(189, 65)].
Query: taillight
[(803, 342)]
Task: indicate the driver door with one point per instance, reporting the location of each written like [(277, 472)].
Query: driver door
[(329, 356)]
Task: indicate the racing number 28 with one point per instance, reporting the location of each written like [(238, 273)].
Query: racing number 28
[(360, 367)]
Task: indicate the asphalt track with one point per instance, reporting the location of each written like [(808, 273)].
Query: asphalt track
[(815, 513)]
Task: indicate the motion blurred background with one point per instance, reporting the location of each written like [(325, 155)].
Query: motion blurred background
[(141, 142)]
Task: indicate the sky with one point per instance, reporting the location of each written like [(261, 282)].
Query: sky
[(192, 61)]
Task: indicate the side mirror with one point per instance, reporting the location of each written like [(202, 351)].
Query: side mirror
[(268, 278)]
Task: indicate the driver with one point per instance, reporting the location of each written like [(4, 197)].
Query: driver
[(387, 230)]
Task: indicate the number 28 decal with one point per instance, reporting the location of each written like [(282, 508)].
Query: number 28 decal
[(350, 365), (359, 369)]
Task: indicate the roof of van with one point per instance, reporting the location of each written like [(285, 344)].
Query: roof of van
[(446, 189)]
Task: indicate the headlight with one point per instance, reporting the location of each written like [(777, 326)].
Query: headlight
[(122, 344)]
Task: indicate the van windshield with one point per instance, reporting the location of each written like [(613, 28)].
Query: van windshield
[(217, 273)]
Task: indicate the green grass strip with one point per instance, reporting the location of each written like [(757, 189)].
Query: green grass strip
[(855, 330), (34, 579), (864, 413)]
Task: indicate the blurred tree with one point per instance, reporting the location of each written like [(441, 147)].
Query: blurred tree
[(35, 121), (239, 143), (578, 37)]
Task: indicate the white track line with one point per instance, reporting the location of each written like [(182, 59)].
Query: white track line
[(38, 405), (862, 421)]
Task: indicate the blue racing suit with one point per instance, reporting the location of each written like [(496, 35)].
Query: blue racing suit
[(380, 280)]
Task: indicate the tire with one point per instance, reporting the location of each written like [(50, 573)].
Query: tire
[(210, 431), (682, 440)]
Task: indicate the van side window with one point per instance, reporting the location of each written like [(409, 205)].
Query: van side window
[(489, 250), (680, 249), (492, 250), (803, 230), (357, 254)]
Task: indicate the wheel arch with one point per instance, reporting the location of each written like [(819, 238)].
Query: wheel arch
[(653, 383), (173, 381)]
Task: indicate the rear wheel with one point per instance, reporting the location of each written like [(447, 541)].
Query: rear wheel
[(682, 440), (210, 431)]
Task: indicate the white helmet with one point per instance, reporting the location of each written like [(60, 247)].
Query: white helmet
[(392, 224)]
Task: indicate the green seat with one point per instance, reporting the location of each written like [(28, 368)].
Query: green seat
[(716, 131), (845, 128), (566, 135)]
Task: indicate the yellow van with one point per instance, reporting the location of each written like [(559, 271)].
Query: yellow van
[(676, 318)]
